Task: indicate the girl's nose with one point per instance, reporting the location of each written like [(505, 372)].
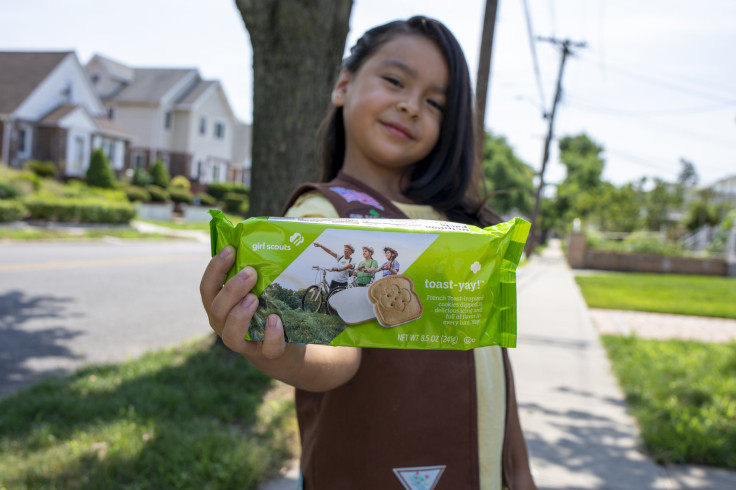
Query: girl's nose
[(408, 107)]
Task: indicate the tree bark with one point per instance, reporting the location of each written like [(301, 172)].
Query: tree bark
[(297, 50)]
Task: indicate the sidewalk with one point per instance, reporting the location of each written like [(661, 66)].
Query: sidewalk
[(573, 413)]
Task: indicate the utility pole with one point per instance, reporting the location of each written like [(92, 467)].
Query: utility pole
[(484, 68), (566, 45)]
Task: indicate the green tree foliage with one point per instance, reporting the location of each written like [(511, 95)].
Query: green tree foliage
[(619, 208), (141, 178), (100, 173), (660, 201), (577, 194), (509, 180), (159, 174)]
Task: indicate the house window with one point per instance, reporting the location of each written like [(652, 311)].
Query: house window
[(78, 155), (138, 160), (219, 130), (167, 120), (202, 125), (22, 140), (95, 78), (215, 173), (111, 113)]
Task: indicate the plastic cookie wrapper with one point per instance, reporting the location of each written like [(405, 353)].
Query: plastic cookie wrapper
[(455, 288)]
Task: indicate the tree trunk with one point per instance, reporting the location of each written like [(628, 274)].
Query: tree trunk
[(297, 50)]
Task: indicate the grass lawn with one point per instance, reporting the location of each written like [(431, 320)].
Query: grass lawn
[(683, 395), (661, 293), (86, 234), (196, 416)]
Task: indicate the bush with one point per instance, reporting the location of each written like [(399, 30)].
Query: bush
[(158, 194), (26, 182), (204, 199), (141, 178), (159, 174), (180, 182), (181, 195), (11, 211), (135, 193), (79, 210), (43, 169), (99, 173), (234, 201), (219, 189), (8, 191)]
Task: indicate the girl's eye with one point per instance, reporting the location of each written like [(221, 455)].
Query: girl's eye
[(435, 104), (393, 81)]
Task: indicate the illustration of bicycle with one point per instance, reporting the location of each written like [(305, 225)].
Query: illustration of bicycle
[(317, 296)]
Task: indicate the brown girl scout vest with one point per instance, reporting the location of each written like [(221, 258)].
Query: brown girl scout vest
[(406, 414)]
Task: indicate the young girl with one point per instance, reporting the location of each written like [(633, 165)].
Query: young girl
[(398, 142)]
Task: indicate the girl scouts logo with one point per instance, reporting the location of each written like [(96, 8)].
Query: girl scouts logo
[(419, 478), (352, 196)]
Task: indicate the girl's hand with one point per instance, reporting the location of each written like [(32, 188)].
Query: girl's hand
[(231, 307)]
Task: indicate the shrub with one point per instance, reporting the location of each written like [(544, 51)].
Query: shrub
[(8, 190), (135, 193), (99, 173), (141, 178), (43, 169), (158, 194), (159, 174), (11, 211), (26, 182), (218, 190), (234, 201), (179, 194), (79, 209), (180, 182), (204, 199)]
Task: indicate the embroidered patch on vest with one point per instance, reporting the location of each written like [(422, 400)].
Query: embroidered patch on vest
[(420, 477), (351, 195)]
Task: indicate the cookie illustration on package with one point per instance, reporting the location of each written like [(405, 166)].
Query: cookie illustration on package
[(395, 301)]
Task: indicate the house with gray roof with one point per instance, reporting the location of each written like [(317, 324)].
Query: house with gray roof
[(49, 110), (175, 116)]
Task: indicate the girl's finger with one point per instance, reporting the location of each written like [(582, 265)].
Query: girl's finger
[(237, 323), (214, 275), (232, 293), (273, 338)]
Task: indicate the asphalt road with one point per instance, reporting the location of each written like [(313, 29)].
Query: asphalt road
[(67, 305)]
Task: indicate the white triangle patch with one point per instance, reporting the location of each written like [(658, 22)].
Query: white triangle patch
[(420, 477)]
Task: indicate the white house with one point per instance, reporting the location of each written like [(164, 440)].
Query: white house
[(175, 116), (50, 111)]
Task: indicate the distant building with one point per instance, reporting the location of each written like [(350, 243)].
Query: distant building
[(723, 190), (176, 116), (50, 111), (53, 108)]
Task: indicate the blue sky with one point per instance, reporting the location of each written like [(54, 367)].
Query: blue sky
[(654, 84)]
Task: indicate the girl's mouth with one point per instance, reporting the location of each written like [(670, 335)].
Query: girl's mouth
[(399, 130)]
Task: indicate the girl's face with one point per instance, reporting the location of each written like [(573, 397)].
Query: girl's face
[(366, 254), (392, 106)]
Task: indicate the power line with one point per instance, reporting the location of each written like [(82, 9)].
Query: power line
[(667, 84), (535, 60)]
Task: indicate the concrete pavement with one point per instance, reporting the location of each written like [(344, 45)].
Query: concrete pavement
[(575, 420)]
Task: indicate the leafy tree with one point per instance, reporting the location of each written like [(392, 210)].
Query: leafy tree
[(159, 174), (618, 208), (297, 48), (508, 180), (660, 201), (141, 178), (100, 173), (578, 192), (688, 177)]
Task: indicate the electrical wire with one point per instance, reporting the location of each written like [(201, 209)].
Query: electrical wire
[(532, 47)]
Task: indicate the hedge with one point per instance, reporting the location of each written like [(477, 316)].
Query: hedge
[(11, 211), (79, 210)]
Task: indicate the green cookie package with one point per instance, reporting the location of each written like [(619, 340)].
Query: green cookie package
[(405, 284)]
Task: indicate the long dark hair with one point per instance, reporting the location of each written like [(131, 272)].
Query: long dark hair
[(447, 178)]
